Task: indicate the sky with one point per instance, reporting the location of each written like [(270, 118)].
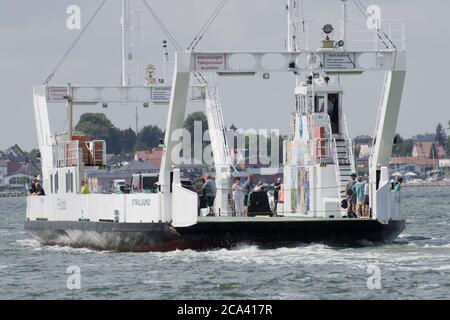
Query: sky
[(34, 36)]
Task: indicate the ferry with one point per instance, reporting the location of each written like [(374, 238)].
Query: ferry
[(317, 155)]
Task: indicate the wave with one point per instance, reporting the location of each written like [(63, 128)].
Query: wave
[(35, 245), (30, 243), (414, 238), (447, 245)]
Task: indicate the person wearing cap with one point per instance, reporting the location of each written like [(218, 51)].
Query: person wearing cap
[(351, 197)]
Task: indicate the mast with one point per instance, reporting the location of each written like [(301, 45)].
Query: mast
[(165, 59), (69, 111), (344, 22), (125, 21), (293, 9)]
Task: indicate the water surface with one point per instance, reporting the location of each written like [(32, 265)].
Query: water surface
[(416, 266)]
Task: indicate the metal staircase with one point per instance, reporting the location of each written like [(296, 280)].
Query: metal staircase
[(345, 163), (221, 153)]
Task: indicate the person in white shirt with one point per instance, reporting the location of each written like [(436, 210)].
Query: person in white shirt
[(366, 199), (238, 197)]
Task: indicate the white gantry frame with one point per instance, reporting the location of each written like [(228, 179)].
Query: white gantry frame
[(330, 61), (334, 61)]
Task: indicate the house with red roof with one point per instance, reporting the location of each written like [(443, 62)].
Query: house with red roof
[(153, 156), (424, 150)]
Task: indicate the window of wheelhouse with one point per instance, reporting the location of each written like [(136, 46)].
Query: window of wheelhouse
[(319, 104), (149, 184), (56, 182), (135, 184), (300, 103)]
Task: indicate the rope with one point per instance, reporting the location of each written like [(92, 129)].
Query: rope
[(58, 65), (207, 25), (203, 27), (303, 15), (162, 26)]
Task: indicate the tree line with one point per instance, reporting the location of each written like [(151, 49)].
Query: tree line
[(121, 142), (98, 127), (403, 147)]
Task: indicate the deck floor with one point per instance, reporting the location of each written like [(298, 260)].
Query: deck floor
[(269, 219)]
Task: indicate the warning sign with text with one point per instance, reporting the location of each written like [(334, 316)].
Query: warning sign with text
[(339, 61), (209, 62)]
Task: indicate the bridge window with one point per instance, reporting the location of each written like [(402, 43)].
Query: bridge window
[(333, 111), (71, 182), (56, 183), (149, 184), (319, 104), (300, 104)]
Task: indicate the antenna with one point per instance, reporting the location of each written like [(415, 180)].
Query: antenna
[(137, 121), (165, 59), (344, 22)]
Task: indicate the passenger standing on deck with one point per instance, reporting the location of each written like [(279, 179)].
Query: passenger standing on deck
[(209, 188), (85, 188), (276, 188), (39, 190), (238, 197), (32, 188), (351, 197), (398, 184), (248, 188), (358, 191), (366, 199)]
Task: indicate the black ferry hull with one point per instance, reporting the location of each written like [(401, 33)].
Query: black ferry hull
[(139, 237)]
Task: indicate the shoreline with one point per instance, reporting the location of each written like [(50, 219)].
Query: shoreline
[(426, 184)]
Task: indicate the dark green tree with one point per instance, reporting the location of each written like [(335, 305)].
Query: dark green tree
[(128, 140), (33, 155), (189, 123), (440, 135), (95, 125), (98, 127), (403, 148), (447, 147), (113, 142), (433, 152), (149, 137)]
